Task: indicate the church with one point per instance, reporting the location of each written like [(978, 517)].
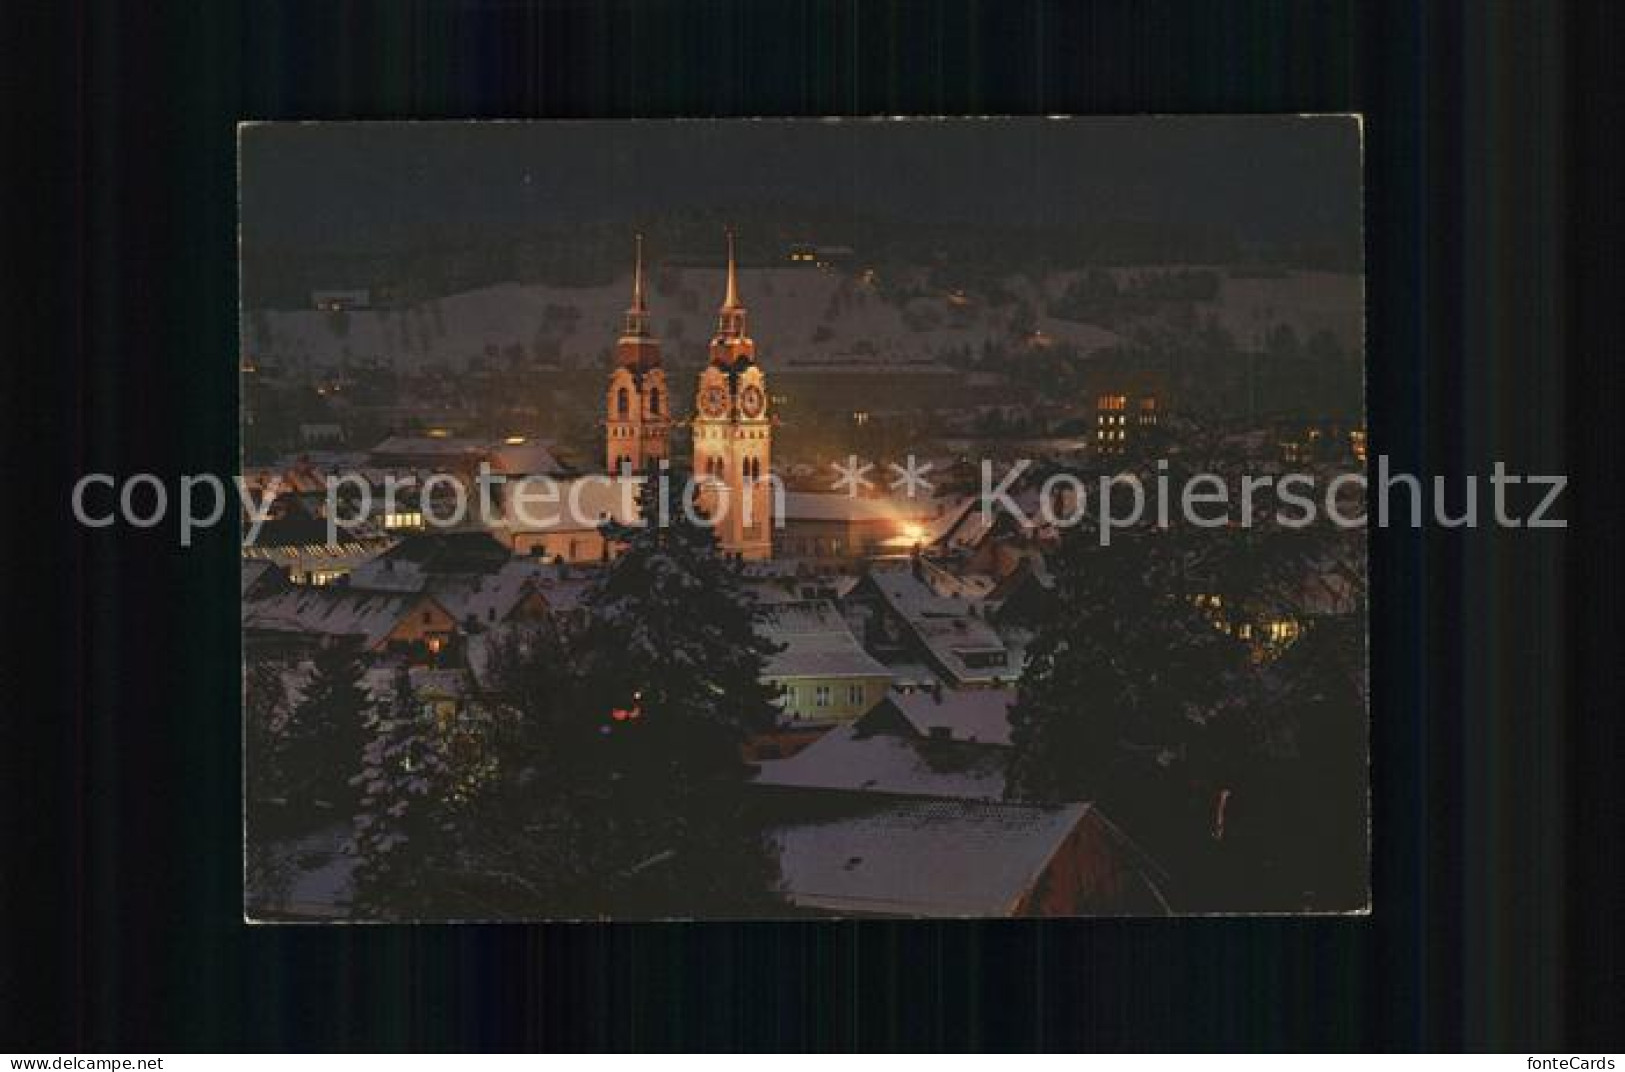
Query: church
[(731, 430), (731, 439)]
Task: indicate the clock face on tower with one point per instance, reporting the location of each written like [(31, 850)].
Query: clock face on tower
[(713, 401), (752, 401)]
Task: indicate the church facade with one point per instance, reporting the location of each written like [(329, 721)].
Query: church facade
[(637, 424), (731, 430)]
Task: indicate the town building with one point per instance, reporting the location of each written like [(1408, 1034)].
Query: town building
[(931, 858), (824, 674), (301, 547), (294, 620), (469, 573), (971, 716), (834, 527), (903, 619), (1128, 407)]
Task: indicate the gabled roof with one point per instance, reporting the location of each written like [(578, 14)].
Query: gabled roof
[(278, 532), (492, 597), (954, 630), (526, 459), (486, 596), (941, 858), (441, 551), (816, 640), (257, 574), (848, 758), (978, 715), (330, 611), (426, 447)]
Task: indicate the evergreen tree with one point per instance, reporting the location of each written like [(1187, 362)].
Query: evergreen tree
[(265, 792), (671, 684), (1126, 671), (325, 735), (1315, 822), (405, 824), (266, 711), (532, 846)]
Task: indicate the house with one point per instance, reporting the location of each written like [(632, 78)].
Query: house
[(822, 670), (439, 553), (407, 622), (469, 573), (884, 856), (975, 716), (1129, 404), (880, 817), (904, 619), (559, 521), (852, 759), (301, 546), (836, 527)]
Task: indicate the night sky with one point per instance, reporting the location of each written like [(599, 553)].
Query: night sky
[(368, 186)]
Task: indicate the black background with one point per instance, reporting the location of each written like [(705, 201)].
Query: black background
[(1493, 242)]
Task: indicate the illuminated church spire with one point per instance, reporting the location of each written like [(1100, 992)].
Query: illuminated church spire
[(731, 317), (637, 314)]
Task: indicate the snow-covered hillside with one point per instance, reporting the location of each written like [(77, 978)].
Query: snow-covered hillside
[(796, 313)]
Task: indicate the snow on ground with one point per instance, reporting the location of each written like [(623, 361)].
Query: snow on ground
[(796, 313), (788, 307)]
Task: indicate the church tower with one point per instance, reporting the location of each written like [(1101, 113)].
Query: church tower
[(733, 434), (637, 411)]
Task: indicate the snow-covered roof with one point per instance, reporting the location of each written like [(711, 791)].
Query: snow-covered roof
[(953, 514), (484, 597), (839, 506), (525, 459), (958, 639), (310, 534), (579, 505), (563, 593), (979, 715), (816, 642), (490, 598), (330, 611), (426, 447), (848, 758), (936, 858), (254, 572), (439, 552)]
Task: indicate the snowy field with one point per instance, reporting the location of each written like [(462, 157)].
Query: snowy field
[(796, 313)]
